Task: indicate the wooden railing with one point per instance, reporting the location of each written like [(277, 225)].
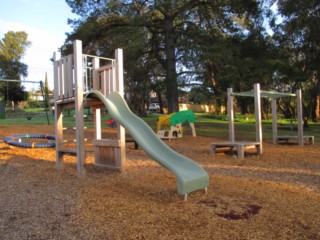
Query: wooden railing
[(64, 77), (104, 78)]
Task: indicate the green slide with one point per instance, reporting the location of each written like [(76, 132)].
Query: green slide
[(190, 176)]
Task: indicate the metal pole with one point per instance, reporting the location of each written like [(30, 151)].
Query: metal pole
[(14, 80), (45, 102)]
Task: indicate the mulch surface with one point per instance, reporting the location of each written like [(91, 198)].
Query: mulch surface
[(272, 196)]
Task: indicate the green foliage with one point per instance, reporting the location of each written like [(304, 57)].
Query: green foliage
[(171, 45), (12, 91), (200, 95), (46, 92), (12, 50), (167, 44), (34, 104), (298, 41), (209, 117)]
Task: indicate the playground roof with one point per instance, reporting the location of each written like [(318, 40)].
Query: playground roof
[(264, 94)]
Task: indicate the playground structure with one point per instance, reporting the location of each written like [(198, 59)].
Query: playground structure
[(78, 84), (73, 75), (257, 94), (172, 124)]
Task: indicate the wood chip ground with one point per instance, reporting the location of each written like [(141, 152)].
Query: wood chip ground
[(272, 196)]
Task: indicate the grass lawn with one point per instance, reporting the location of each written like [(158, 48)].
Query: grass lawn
[(206, 125)]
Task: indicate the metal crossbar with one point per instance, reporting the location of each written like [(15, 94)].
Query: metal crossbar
[(264, 94)]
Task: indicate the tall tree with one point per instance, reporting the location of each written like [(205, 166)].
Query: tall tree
[(178, 40), (162, 20), (299, 42), (46, 92), (12, 50), (234, 47)]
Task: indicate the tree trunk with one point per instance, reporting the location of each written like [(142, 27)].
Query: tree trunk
[(171, 72), (16, 106), (160, 101), (317, 108), (313, 108)]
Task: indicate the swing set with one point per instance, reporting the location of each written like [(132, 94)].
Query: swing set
[(28, 115)]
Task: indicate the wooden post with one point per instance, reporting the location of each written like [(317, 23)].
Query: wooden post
[(97, 123), (78, 70), (257, 106), (119, 70), (96, 111), (61, 83), (66, 80), (96, 81), (57, 114), (230, 115), (120, 89), (56, 76), (70, 92), (300, 120), (274, 121)]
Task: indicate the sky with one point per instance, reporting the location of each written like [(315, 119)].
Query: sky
[(45, 22)]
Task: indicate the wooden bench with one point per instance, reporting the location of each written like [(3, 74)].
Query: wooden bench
[(286, 139), (239, 146)]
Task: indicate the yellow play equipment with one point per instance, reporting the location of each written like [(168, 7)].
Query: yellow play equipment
[(170, 126)]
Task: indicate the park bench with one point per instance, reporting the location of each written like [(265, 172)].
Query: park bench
[(239, 146), (286, 139)]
